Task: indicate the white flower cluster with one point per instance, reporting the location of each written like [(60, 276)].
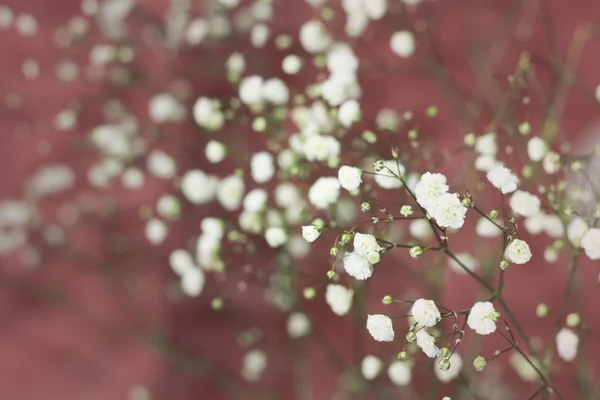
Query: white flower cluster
[(503, 179), (359, 263), (380, 327), (482, 318), (446, 208)]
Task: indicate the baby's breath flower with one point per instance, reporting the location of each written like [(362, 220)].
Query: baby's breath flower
[(449, 211), (406, 211), (387, 179), (425, 312), (590, 243), (525, 204), (415, 252), (479, 363), (310, 233), (426, 342), (536, 148), (503, 179), (551, 163), (380, 327), (276, 236), (518, 252), (339, 298), (402, 44), (371, 367), (482, 318), (567, 342), (399, 373), (324, 192), (357, 266), (350, 177)]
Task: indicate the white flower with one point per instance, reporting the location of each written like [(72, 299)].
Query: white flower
[(553, 226), (365, 243), (276, 236), (192, 281), (251, 90), (213, 227), (230, 191), (236, 63), (156, 231), (255, 200), (339, 298), (341, 58), (482, 318), (259, 35), (591, 243), (425, 312), (181, 261), (313, 37), (310, 233), (402, 43), (207, 114), (399, 373), (535, 224), (253, 365), (454, 370), (198, 187), (536, 149), (576, 230), (567, 342), (349, 113), (196, 31), (503, 179), (486, 163), (276, 91), (320, 148), (420, 229), (386, 179), (340, 86), (350, 177), (298, 325), (168, 206), (133, 178), (375, 9), (518, 252), (262, 167), (161, 165), (486, 144), (406, 211), (551, 163), (429, 188), (357, 266), (370, 367), (286, 194), (215, 151), (324, 192), (449, 211), (426, 343), (525, 204), (380, 327), (165, 107), (485, 228), (291, 64)]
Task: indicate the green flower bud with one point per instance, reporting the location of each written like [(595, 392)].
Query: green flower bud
[(334, 251), (217, 303), (541, 310), (365, 206), (403, 356), (379, 165), (309, 293), (416, 252), (479, 363), (444, 352), (387, 300), (444, 364), (411, 337), (503, 264), (331, 274), (573, 320), (494, 214)]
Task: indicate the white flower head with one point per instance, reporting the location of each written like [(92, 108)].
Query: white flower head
[(590, 243), (350, 177), (198, 187), (156, 231), (298, 325), (255, 200), (567, 342), (371, 367), (276, 91), (365, 243), (429, 188), (482, 318), (487, 144), (536, 149), (454, 370), (576, 230), (339, 298), (380, 327), (449, 211), (357, 265), (387, 179), (230, 191), (525, 204), (324, 192), (313, 37), (425, 312), (518, 252), (402, 44), (551, 163), (215, 152), (276, 236), (426, 343), (192, 281), (503, 179), (399, 373), (251, 90), (485, 228), (262, 167), (349, 113), (310, 233)]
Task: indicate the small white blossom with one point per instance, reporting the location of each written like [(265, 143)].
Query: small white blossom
[(425, 312), (430, 187), (286, 194), (276, 91), (406, 211), (298, 325), (402, 44), (390, 180), (165, 107), (292, 64), (198, 187), (310, 233), (276, 236), (255, 200), (518, 252), (161, 165), (485, 228), (551, 163), (168, 206), (487, 144), (449, 211), (503, 179), (365, 243), (426, 343), (350, 177), (357, 266), (339, 298), (590, 243), (399, 373), (156, 231), (536, 223), (181, 261), (313, 37), (486, 163), (420, 229), (553, 226), (371, 367), (576, 230), (536, 149), (567, 342), (262, 167), (207, 114), (380, 327), (254, 364), (324, 192), (192, 281), (482, 318), (454, 370), (525, 204), (230, 191), (251, 90), (215, 151), (349, 113)]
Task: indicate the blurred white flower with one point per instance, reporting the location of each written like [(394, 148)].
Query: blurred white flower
[(339, 298), (402, 43), (324, 192), (399, 373), (590, 243), (503, 179), (567, 342), (298, 325), (370, 367), (198, 187), (536, 148), (230, 191), (276, 236), (525, 204)]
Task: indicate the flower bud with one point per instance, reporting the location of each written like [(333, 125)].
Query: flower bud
[(470, 139), (373, 257), (467, 202), (309, 293), (331, 274), (216, 303), (444, 364), (346, 238), (444, 352), (387, 300), (411, 337), (494, 214), (413, 134), (524, 128), (365, 206), (573, 320), (406, 211), (503, 264), (541, 310), (379, 165), (479, 363), (369, 137), (403, 356), (416, 252), (334, 251)]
